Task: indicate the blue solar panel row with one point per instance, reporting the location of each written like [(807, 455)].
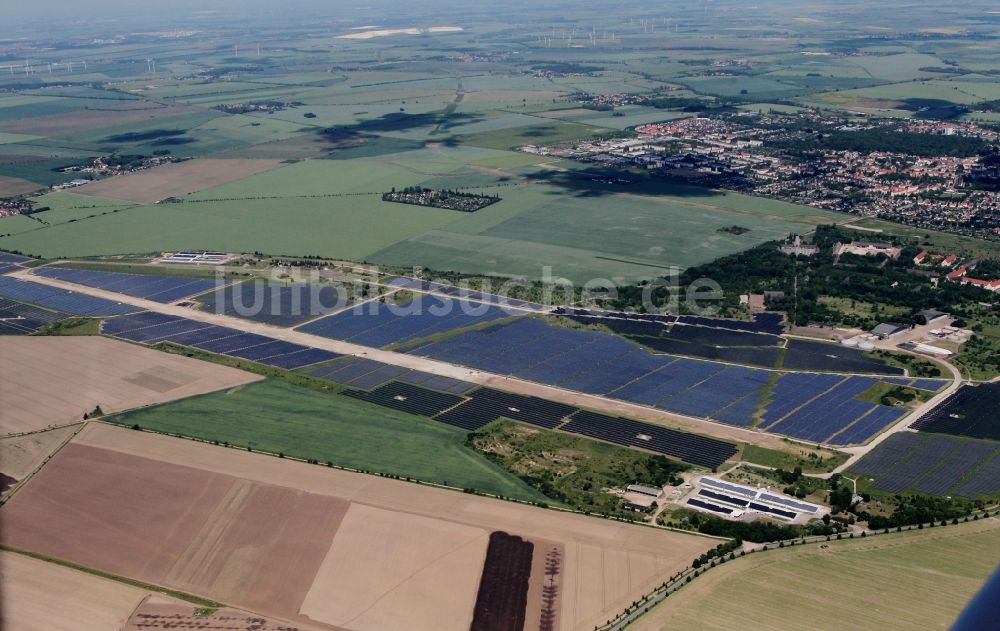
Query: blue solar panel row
[(722, 497), (59, 299), (458, 292), (869, 425), (149, 286), (152, 328), (731, 488), (715, 508), (7, 257), (395, 325), (365, 373), (784, 501)]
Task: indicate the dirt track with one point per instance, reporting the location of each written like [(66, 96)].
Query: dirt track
[(47, 381)]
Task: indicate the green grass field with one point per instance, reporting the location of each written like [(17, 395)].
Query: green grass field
[(300, 422), (913, 580)]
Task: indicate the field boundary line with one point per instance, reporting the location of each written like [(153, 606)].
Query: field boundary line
[(45, 461)]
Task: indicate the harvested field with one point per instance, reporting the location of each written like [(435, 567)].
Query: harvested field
[(20, 455), (47, 381), (243, 542), (403, 571), (158, 612), (10, 186), (914, 580), (400, 554), (83, 120), (177, 179), (31, 587)]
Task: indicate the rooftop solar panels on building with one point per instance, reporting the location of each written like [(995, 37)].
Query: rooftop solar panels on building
[(407, 398), (771, 510), (790, 503), (730, 488), (715, 508), (722, 497)]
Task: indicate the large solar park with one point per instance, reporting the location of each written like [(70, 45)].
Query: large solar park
[(935, 464), (481, 332)]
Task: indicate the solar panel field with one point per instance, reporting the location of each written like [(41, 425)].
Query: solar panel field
[(159, 288), (59, 299), (934, 464), (152, 328), (280, 304), (971, 411)]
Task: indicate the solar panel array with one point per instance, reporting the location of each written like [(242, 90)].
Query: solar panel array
[(280, 304), (408, 398), (715, 508), (459, 292), (159, 288), (602, 364), (486, 405), (387, 325), (935, 464), (823, 408), (758, 499), (153, 328), (59, 299), (969, 411), (18, 318), (771, 510), (699, 450), (722, 497), (361, 372), (11, 262)]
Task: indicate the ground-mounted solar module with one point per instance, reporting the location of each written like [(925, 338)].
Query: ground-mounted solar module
[(698, 450), (407, 398), (157, 287), (59, 299), (969, 411), (934, 464), (486, 405), (279, 303)]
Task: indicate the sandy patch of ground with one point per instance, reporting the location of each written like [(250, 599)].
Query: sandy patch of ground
[(391, 570), (606, 564), (176, 179), (16, 186), (46, 381), (40, 596)]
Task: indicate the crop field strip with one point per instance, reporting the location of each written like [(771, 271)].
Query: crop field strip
[(159, 288), (970, 411), (152, 328), (59, 299), (936, 464)]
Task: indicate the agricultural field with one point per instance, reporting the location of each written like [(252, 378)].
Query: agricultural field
[(280, 418), (57, 380), (917, 579), (30, 585), (347, 576)]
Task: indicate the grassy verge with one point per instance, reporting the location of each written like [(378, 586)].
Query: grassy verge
[(72, 326), (811, 460), (577, 471), (148, 270), (885, 393), (914, 366), (286, 419), (195, 600)]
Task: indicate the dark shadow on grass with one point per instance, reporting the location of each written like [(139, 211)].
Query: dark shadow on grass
[(589, 181)]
